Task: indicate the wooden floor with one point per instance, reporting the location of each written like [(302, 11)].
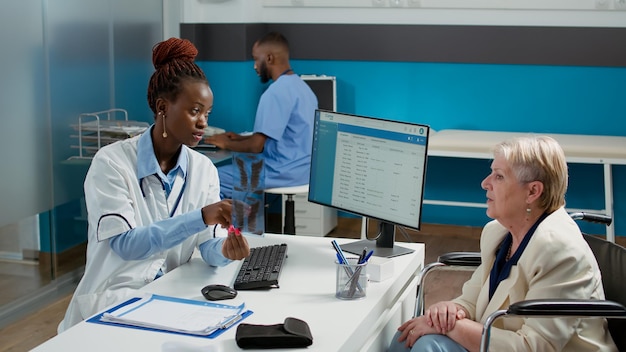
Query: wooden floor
[(37, 328)]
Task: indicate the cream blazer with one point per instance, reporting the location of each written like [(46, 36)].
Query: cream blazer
[(557, 263)]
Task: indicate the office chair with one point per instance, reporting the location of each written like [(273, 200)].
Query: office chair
[(612, 263), (288, 208)]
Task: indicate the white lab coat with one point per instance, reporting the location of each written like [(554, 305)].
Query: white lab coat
[(117, 203)]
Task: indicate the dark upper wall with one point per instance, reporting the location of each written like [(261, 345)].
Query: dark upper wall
[(570, 46)]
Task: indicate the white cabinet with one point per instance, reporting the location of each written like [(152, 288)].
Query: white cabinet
[(311, 219)]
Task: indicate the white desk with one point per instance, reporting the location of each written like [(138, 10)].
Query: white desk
[(584, 149), (307, 288)]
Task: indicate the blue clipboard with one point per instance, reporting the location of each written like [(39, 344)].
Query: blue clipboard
[(97, 319)]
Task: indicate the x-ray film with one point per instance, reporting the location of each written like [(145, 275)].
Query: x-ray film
[(248, 213)]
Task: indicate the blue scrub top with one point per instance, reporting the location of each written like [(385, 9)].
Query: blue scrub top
[(285, 115)]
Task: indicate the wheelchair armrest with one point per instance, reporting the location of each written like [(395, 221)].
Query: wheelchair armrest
[(568, 307), (554, 308), (460, 258), (592, 217)]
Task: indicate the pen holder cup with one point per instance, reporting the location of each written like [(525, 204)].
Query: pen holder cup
[(351, 280)]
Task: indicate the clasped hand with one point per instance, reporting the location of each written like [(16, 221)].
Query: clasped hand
[(439, 318)]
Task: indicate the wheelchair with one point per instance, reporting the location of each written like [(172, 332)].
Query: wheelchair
[(611, 260)]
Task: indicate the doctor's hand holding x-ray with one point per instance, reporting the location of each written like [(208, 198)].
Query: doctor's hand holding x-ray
[(151, 199), (235, 247)]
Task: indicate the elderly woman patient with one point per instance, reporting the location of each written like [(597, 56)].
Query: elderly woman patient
[(532, 249)]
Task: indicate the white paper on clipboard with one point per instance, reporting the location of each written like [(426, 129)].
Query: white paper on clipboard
[(176, 314)]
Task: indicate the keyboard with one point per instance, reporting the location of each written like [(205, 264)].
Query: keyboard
[(261, 269)]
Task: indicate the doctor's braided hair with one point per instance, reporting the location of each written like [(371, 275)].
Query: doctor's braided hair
[(173, 60)]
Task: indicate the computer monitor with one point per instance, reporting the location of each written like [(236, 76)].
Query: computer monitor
[(371, 167)]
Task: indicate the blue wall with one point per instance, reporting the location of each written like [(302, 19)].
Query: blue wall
[(518, 98)]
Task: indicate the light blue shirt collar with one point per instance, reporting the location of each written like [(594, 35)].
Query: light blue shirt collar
[(147, 163)]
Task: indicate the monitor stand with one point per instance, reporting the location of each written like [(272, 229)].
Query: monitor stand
[(382, 247)]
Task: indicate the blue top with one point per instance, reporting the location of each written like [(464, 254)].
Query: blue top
[(285, 115), (140, 243), (502, 267)]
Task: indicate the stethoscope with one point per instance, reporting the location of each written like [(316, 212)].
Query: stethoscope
[(180, 194)]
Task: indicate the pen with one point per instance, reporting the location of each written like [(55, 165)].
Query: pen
[(363, 259), (355, 281), (362, 256), (340, 254), (367, 257), (343, 260), (232, 321)]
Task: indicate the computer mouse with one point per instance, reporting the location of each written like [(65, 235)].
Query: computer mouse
[(216, 292)]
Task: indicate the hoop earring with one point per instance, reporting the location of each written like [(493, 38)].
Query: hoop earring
[(164, 132)]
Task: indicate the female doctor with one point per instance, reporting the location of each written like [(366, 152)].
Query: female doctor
[(151, 200)]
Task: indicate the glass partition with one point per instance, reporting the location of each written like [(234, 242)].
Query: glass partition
[(60, 59)]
